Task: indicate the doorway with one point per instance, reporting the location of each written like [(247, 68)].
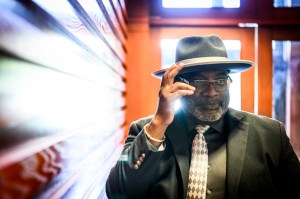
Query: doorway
[(242, 39)]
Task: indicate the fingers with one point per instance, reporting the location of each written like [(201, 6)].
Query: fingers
[(169, 75), (181, 93), (169, 90), (169, 93), (181, 89), (175, 91), (181, 86)]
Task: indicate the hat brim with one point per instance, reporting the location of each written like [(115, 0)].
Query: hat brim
[(233, 66)]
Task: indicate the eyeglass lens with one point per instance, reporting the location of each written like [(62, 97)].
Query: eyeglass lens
[(219, 84)]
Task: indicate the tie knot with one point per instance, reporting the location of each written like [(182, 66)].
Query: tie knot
[(202, 128)]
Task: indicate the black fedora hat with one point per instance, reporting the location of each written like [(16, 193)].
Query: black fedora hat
[(205, 53)]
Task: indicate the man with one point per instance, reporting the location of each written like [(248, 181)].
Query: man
[(242, 156)]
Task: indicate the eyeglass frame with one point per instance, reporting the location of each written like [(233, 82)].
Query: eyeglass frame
[(181, 79)]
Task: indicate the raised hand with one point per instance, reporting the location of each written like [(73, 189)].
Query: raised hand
[(169, 92)]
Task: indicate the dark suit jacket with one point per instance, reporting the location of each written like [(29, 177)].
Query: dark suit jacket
[(260, 162)]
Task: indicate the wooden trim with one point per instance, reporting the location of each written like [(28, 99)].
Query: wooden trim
[(98, 25), (265, 72), (255, 11), (119, 14), (286, 33), (123, 4), (211, 22), (111, 17), (247, 37), (266, 11)]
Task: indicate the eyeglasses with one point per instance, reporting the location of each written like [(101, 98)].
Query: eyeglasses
[(220, 85)]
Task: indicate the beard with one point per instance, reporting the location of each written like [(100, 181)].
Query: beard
[(207, 109)]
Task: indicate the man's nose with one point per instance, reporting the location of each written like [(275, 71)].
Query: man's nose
[(210, 90)]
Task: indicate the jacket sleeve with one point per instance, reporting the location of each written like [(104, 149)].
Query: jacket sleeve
[(124, 181)]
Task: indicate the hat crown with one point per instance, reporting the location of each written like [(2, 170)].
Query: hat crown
[(204, 53), (199, 47)]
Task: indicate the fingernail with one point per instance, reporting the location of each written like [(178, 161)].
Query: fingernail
[(192, 88)]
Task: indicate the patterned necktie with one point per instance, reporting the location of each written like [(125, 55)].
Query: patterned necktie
[(198, 167)]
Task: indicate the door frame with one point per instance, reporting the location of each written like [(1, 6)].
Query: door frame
[(246, 37)]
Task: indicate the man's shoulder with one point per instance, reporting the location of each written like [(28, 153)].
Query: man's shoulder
[(141, 122), (254, 119)]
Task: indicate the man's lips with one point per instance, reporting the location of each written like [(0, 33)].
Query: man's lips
[(210, 106)]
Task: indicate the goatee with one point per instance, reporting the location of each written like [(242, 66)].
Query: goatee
[(207, 109)]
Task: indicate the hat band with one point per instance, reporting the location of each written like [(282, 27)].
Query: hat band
[(202, 59)]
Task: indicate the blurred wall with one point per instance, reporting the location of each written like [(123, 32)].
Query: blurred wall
[(62, 82)]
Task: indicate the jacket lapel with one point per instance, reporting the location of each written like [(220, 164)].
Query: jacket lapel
[(176, 133), (236, 149)]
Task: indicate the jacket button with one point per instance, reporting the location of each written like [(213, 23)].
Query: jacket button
[(136, 166), (141, 159), (208, 192)]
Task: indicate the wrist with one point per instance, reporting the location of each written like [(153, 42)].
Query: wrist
[(153, 139), (160, 121), (155, 132)]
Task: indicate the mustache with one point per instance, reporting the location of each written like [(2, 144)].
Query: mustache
[(209, 101), (204, 102)]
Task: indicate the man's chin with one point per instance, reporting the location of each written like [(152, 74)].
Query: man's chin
[(210, 111), (208, 115), (210, 107)]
